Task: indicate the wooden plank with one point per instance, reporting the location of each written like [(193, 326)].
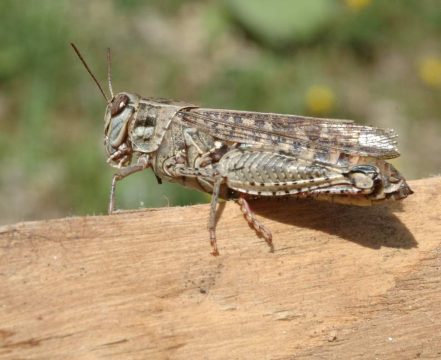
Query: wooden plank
[(343, 282)]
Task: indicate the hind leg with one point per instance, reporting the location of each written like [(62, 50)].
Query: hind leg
[(256, 224)]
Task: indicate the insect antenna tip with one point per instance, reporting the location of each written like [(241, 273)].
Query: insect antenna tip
[(89, 71)]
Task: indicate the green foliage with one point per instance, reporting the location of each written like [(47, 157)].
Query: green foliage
[(281, 22)]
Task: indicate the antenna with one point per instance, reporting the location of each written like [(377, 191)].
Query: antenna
[(109, 71), (90, 72)]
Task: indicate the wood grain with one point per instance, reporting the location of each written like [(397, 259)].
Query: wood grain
[(343, 282)]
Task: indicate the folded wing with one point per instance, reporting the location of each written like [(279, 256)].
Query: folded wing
[(296, 135)]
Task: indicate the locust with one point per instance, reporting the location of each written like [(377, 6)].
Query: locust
[(243, 155)]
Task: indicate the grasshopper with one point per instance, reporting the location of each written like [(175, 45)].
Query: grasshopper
[(242, 155)]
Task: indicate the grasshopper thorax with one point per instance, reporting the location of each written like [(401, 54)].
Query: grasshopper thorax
[(119, 114)]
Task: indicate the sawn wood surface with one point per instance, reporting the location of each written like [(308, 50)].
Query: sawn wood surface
[(343, 283)]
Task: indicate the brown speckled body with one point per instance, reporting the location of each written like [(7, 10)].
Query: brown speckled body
[(238, 155)]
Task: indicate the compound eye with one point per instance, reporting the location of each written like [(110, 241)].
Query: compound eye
[(118, 104)]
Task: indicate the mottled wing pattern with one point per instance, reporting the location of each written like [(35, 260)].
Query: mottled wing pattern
[(300, 136)]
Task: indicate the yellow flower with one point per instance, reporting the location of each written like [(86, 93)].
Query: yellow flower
[(430, 71), (320, 99), (357, 5)]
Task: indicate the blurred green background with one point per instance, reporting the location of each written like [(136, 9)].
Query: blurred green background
[(377, 62)]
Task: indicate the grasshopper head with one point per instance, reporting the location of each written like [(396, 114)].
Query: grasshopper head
[(129, 130), (119, 114)]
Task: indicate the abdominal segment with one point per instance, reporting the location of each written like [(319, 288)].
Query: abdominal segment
[(264, 173)]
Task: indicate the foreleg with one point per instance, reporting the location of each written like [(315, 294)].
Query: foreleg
[(121, 174)]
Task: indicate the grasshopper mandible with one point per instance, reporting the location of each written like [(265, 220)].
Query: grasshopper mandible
[(241, 155)]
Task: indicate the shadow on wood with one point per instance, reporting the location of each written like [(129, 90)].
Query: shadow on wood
[(373, 227), (343, 282)]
